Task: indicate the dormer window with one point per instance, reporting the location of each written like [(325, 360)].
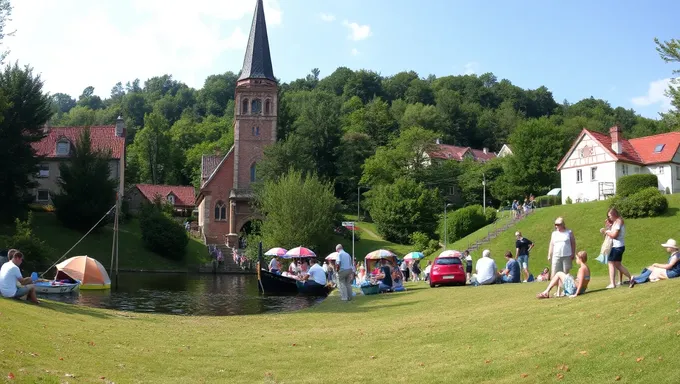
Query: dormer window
[(256, 107), (171, 199), (267, 107), (659, 148), (63, 148), (244, 107)]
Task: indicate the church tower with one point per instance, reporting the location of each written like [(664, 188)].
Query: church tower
[(256, 102)]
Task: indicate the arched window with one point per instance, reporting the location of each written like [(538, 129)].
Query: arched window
[(253, 173), (256, 107), (220, 211), (244, 109), (256, 131), (267, 107)]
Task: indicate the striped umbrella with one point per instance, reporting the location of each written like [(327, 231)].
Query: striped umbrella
[(450, 253), (380, 254), (333, 256), (276, 251), (300, 252), (414, 256)]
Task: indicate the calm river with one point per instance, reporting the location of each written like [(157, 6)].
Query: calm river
[(187, 294)]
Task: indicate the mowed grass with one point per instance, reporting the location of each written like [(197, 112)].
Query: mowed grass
[(491, 334), (643, 236), (132, 253), (371, 241)]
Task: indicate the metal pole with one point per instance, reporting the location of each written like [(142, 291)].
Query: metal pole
[(446, 231), (354, 228), (358, 202), (484, 184)]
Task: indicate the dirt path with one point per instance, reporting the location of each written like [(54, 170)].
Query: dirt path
[(370, 233)]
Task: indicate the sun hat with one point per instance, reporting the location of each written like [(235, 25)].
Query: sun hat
[(671, 243), (559, 221)]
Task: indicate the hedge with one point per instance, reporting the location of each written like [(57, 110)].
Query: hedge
[(628, 185), (648, 202), (548, 201), (464, 221)]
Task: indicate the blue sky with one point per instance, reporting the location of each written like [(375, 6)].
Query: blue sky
[(577, 49)]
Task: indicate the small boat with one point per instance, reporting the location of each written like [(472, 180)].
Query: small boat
[(275, 283), (56, 287), (88, 271), (314, 290)]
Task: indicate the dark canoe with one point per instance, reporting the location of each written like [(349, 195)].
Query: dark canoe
[(316, 290), (273, 283)]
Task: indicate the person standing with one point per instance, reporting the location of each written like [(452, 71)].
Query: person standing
[(345, 273), (616, 233), (10, 276), (561, 249), (404, 269), (522, 248), (468, 265)]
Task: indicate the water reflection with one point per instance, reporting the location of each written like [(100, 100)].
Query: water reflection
[(185, 294)]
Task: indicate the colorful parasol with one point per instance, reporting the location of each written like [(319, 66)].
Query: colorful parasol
[(414, 256), (300, 252), (380, 254), (451, 253), (277, 251), (332, 256)]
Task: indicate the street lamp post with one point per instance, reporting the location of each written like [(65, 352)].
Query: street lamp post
[(446, 231), (359, 202), (484, 185)]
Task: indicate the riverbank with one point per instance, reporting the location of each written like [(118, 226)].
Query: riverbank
[(498, 334)]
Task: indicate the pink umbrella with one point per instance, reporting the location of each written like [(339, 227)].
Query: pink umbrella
[(332, 256), (300, 252), (276, 251)]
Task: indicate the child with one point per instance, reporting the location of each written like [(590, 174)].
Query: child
[(545, 275), (468, 265), (572, 287)]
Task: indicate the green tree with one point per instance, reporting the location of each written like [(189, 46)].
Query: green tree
[(24, 109), (87, 189), (670, 53), (404, 207), (151, 151), (300, 210)]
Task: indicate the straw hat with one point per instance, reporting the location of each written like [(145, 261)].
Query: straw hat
[(670, 244)]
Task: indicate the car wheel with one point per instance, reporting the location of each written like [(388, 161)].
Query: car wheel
[(432, 285)]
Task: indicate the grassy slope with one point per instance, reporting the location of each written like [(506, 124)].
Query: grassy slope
[(97, 245), (493, 334), (643, 236)]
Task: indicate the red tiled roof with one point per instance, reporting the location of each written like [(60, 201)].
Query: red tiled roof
[(644, 146), (628, 153), (102, 138), (184, 195), (208, 164), (454, 152)]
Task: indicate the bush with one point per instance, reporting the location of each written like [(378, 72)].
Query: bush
[(648, 202), (628, 185), (568, 201), (420, 241), (463, 222), (162, 234), (432, 247), (490, 215), (36, 252), (548, 201)]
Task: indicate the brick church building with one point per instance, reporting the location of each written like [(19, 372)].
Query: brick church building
[(225, 194)]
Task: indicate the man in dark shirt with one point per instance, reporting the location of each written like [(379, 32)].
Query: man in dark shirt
[(385, 277), (523, 246)]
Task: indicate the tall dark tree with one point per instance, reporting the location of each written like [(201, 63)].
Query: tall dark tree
[(87, 189), (63, 103), (24, 109)]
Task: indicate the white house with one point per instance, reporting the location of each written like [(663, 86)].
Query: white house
[(595, 162), (505, 151)]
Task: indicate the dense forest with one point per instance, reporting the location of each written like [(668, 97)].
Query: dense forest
[(356, 127)]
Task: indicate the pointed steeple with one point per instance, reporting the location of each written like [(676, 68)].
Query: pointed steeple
[(257, 63)]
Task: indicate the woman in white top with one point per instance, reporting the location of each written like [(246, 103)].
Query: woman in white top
[(616, 233), (561, 249)]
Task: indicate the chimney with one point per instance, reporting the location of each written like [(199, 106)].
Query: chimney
[(485, 150), (120, 127), (46, 127), (615, 133), (437, 141)]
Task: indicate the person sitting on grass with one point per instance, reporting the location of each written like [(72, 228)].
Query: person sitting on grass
[(511, 273), (385, 277), (545, 275), (486, 270), (656, 272), (571, 287), (10, 276)]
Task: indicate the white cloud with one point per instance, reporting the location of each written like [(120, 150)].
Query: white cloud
[(656, 94), (355, 51), (102, 42), (327, 17), (357, 32), (471, 68)]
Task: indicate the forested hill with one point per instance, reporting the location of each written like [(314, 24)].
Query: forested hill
[(332, 125)]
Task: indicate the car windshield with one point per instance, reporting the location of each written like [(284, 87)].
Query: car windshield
[(448, 261)]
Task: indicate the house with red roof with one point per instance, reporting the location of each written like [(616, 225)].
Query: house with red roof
[(454, 152), (595, 162), (58, 145), (181, 197)]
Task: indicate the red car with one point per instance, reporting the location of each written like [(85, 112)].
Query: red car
[(447, 270)]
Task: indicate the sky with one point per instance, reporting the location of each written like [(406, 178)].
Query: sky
[(577, 48)]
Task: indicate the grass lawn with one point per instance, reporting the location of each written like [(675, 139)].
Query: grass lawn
[(132, 253), (492, 334), (371, 241), (643, 236)]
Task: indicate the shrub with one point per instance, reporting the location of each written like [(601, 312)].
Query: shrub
[(162, 234), (548, 201), (648, 202), (420, 240), (490, 215), (628, 185), (668, 191), (463, 222), (36, 252), (432, 247), (568, 201)]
